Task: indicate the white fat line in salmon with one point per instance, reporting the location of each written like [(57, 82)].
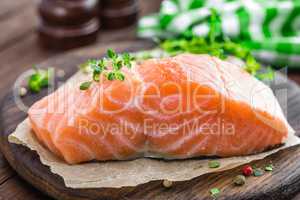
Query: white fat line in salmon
[(192, 100), (99, 138), (83, 147)]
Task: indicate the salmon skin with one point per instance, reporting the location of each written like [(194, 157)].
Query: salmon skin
[(172, 108)]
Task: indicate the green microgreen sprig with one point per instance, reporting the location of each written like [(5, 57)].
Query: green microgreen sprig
[(214, 164), (99, 66), (39, 79)]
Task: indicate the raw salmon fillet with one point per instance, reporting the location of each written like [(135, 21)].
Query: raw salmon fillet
[(172, 108)]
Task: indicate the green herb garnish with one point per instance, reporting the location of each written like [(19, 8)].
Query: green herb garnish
[(269, 168), (85, 85), (216, 45), (258, 172), (39, 79), (213, 164), (221, 49), (98, 66), (215, 192)]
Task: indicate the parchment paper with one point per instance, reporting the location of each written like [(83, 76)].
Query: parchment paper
[(128, 173), (117, 174)]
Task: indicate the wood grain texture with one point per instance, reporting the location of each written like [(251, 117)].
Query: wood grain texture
[(14, 27), (17, 189), (283, 183), (10, 8)]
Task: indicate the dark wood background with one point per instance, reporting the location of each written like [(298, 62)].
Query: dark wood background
[(19, 51)]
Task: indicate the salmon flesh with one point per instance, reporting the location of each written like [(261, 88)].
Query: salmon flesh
[(171, 108)]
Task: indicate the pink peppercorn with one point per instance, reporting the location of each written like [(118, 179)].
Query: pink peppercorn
[(247, 170)]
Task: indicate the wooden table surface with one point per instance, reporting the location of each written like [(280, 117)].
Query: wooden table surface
[(19, 51)]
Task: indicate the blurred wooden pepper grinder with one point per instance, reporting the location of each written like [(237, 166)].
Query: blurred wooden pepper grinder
[(118, 13), (68, 24)]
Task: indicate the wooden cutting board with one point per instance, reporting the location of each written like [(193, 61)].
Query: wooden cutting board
[(282, 183)]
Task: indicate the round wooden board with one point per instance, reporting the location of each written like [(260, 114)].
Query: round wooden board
[(282, 183)]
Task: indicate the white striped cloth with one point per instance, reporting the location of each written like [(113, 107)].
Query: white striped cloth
[(270, 28)]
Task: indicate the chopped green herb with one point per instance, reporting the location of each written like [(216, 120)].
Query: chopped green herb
[(258, 172), (85, 85), (269, 168), (213, 164), (39, 79), (215, 192), (239, 180)]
